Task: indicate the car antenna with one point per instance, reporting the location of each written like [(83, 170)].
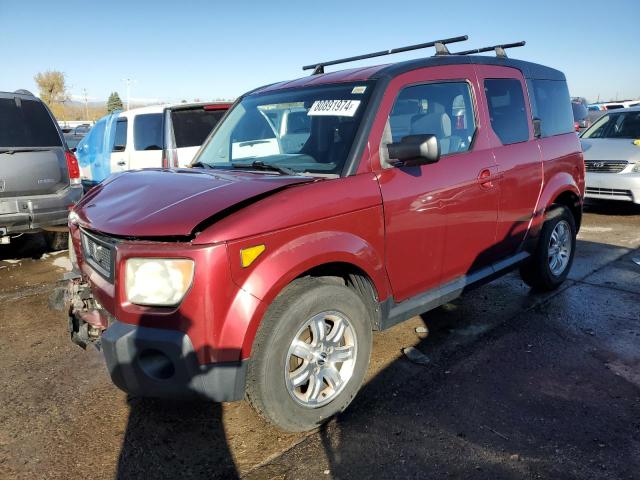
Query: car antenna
[(499, 49), (441, 49)]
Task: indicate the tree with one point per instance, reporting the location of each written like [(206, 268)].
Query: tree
[(114, 103), (52, 86)]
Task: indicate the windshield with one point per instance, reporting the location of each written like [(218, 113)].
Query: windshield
[(616, 125), (304, 130)]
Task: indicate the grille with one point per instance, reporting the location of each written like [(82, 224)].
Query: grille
[(605, 166), (609, 191), (99, 253)]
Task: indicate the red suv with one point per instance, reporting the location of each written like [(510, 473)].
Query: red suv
[(319, 210)]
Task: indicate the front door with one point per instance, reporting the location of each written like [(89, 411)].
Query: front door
[(440, 218)]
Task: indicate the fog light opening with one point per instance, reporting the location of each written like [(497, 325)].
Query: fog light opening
[(156, 364)]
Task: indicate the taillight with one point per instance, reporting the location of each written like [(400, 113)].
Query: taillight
[(165, 159), (73, 168), (576, 126)]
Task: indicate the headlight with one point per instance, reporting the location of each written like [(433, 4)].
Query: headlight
[(158, 281), (636, 169)]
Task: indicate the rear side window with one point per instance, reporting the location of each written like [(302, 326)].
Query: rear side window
[(147, 131), (507, 110), (552, 105), (26, 123), (120, 137), (441, 109), (191, 127)]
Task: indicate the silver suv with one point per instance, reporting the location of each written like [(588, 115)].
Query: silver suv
[(39, 176)]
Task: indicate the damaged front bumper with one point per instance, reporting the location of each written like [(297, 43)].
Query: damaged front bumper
[(145, 361), (86, 318)]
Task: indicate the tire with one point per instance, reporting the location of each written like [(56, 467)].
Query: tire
[(273, 368), (56, 240), (539, 272)]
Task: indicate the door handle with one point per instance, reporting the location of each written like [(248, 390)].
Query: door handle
[(486, 178), (122, 163)]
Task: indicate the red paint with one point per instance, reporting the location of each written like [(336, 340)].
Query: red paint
[(407, 229)]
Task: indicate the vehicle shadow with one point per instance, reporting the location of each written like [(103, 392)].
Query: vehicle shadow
[(173, 438), (611, 207), (518, 409), (25, 246)]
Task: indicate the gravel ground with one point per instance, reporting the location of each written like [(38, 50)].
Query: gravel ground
[(518, 386)]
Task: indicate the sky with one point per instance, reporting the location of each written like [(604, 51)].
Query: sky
[(174, 50)]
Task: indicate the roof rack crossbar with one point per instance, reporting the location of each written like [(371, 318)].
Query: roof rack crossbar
[(499, 49), (441, 49)]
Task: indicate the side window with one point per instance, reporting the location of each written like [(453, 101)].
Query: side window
[(441, 109), (552, 106), (147, 131), (120, 139), (507, 110)]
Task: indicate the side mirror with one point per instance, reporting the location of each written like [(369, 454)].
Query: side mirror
[(537, 127), (74, 150), (414, 150)]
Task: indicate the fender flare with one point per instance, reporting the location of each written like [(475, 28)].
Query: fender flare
[(291, 260), (560, 183)]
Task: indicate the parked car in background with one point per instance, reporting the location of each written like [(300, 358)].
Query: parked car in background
[(580, 116), (612, 156), (319, 210), (149, 137), (39, 176), (73, 135)]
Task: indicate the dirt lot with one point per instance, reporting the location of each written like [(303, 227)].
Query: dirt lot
[(519, 386)]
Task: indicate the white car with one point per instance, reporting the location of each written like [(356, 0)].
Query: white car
[(611, 149), (158, 136)]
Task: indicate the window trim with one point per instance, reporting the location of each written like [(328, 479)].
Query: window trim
[(474, 105), (530, 135)]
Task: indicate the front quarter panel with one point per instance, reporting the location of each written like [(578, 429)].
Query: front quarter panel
[(355, 238)]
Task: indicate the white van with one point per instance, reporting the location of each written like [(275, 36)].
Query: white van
[(158, 136)]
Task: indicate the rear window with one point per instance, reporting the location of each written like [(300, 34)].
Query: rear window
[(191, 127), (552, 105), (26, 123), (147, 131), (507, 110)]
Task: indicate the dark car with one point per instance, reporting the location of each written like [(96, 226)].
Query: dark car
[(319, 210), (39, 176), (581, 119)]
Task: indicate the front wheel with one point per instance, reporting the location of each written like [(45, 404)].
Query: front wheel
[(550, 264), (310, 355)]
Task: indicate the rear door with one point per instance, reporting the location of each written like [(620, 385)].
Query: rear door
[(440, 219), (188, 128), (32, 153), (517, 154), (147, 141)]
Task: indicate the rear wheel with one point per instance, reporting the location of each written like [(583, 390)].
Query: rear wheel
[(551, 262), (310, 354)]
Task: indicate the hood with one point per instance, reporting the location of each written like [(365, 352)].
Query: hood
[(166, 203), (610, 149)]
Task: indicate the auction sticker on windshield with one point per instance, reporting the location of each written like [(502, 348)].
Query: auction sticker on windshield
[(341, 108)]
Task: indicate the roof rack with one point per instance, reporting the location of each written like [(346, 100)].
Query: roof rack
[(499, 49), (441, 49)]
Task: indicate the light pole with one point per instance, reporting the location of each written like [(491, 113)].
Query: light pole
[(86, 106), (128, 81)]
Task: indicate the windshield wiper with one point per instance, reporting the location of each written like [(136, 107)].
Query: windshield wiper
[(11, 151), (201, 164), (260, 165)]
